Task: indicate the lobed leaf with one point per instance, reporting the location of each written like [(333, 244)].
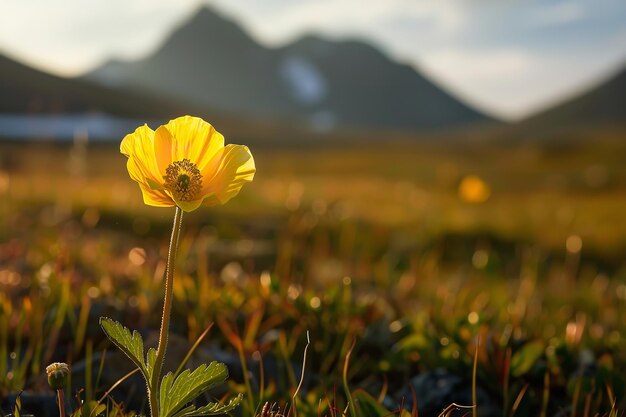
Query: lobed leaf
[(211, 409), (130, 344), (178, 391), (150, 360)]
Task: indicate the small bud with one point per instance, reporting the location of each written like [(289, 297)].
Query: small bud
[(57, 375)]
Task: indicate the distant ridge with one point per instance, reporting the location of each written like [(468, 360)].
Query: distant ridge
[(211, 61), (35, 104), (602, 106), (25, 90)]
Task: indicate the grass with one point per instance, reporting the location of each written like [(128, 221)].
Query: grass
[(371, 252)]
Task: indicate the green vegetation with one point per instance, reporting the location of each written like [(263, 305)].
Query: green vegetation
[(338, 273)]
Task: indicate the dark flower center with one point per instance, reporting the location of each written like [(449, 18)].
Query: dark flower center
[(183, 179)]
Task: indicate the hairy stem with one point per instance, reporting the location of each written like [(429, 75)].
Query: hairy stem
[(153, 386), (61, 402)]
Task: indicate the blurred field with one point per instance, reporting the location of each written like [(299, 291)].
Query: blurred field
[(410, 249), (539, 194)]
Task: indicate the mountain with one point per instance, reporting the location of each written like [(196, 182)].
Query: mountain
[(35, 104), (28, 91), (601, 106), (352, 83), (211, 61)]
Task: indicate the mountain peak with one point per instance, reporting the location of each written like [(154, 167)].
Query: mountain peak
[(206, 15), (211, 60), (357, 50), (210, 29)]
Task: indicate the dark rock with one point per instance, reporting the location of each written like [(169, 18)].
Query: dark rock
[(587, 366), (436, 390), (34, 403)]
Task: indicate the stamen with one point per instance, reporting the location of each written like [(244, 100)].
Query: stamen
[(183, 179)]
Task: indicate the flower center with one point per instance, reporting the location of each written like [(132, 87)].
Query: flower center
[(183, 179)]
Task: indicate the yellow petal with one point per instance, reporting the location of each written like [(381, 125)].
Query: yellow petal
[(224, 169), (136, 174), (154, 185), (210, 200), (134, 171), (134, 141), (224, 176), (192, 138), (163, 148), (156, 198), (138, 147)]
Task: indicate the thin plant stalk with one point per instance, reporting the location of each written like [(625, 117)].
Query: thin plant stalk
[(345, 381), (192, 350), (153, 386), (295, 394), (61, 402), (474, 372), (246, 377), (518, 400), (507, 376), (116, 384)]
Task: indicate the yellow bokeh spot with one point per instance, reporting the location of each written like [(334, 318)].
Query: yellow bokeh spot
[(137, 256), (315, 302), (473, 189), (574, 244), (473, 317)]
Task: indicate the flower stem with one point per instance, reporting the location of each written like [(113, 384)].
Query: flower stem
[(153, 386), (61, 402)]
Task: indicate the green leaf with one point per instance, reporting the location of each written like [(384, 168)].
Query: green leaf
[(368, 406), (526, 357), (130, 344), (413, 342), (176, 392), (211, 409), (92, 409), (150, 360)]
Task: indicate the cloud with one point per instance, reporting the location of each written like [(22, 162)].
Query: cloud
[(480, 65), (70, 36), (488, 79), (513, 83), (282, 20), (557, 14)]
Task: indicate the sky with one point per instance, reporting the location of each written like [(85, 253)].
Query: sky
[(510, 58)]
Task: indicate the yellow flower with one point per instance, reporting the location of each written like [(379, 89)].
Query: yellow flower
[(185, 163)]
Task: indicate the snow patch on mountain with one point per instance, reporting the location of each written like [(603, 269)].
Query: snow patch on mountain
[(306, 83)]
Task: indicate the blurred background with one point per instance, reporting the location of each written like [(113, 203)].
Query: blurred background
[(427, 172), (452, 116)]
